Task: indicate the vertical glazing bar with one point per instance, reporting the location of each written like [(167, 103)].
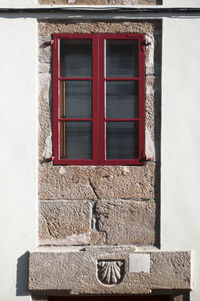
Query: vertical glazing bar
[(141, 98), (95, 99), (56, 138), (62, 99), (62, 125), (62, 140), (102, 125)]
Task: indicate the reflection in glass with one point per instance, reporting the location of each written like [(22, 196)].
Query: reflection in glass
[(76, 99), (121, 58), (76, 140), (122, 99), (75, 58), (122, 140)]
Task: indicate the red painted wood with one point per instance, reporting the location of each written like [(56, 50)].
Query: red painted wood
[(95, 101), (75, 119), (74, 162), (102, 114), (142, 94), (55, 98), (121, 120), (121, 78), (103, 120), (98, 104), (75, 78)]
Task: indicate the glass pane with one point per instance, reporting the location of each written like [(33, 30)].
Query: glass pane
[(76, 99), (121, 58), (122, 99), (75, 58), (122, 140), (76, 140)]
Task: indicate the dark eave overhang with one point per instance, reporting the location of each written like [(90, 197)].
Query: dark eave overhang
[(126, 9)]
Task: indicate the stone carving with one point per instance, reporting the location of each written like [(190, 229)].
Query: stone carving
[(110, 271)]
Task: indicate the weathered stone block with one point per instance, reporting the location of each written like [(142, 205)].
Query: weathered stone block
[(173, 264), (44, 68), (101, 2), (127, 222), (97, 238), (133, 2), (96, 182), (65, 222), (47, 28), (76, 272), (74, 2)]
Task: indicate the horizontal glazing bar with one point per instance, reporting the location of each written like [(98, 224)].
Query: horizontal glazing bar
[(75, 78), (122, 162), (75, 119), (121, 119), (78, 162), (121, 78)]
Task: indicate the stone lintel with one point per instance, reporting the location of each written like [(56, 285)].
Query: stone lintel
[(105, 270)]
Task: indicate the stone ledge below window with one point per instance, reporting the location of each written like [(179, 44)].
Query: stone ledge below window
[(108, 270)]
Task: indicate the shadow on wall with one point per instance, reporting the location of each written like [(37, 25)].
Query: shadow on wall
[(22, 276)]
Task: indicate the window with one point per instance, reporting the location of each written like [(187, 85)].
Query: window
[(98, 99)]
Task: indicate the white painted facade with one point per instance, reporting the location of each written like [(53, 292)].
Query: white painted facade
[(180, 205), (18, 172)]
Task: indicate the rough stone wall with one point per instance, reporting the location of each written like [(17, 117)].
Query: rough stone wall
[(97, 205), (102, 2)]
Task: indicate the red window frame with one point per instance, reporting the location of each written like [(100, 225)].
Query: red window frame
[(98, 103)]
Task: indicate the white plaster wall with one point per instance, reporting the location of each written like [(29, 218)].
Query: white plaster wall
[(18, 170), (180, 171), (181, 3), (17, 3)]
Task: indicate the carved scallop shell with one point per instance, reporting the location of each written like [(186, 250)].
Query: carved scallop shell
[(110, 272)]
